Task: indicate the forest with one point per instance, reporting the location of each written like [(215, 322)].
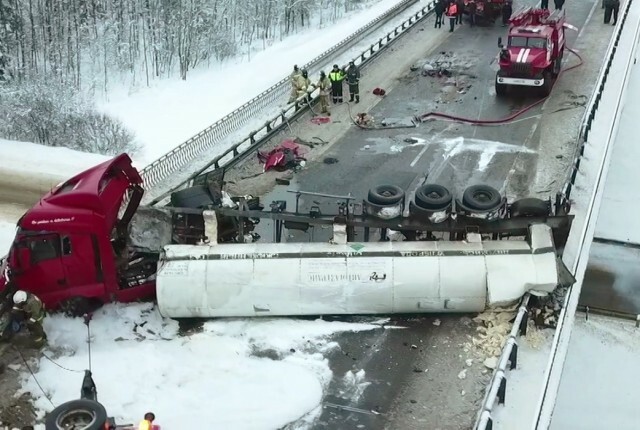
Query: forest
[(57, 55)]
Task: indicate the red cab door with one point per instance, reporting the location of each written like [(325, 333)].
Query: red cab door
[(43, 274)]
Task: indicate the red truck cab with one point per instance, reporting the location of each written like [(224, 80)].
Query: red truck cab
[(70, 247)]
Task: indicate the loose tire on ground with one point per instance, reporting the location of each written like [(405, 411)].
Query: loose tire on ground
[(530, 207), (481, 197), (385, 195), (433, 197), (85, 414)]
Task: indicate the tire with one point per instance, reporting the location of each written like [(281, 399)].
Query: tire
[(530, 207), (79, 306), (501, 89), (548, 84), (433, 196), (385, 195), (197, 197), (481, 197), (92, 414)]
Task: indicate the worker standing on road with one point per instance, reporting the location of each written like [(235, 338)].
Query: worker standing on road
[(439, 10), (544, 4), (336, 76), (452, 12), (459, 11), (307, 84), (507, 10), (558, 4), (324, 85), (472, 13), (29, 308), (297, 85), (147, 422), (353, 80), (611, 7)]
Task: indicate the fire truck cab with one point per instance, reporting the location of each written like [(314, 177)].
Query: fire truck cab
[(534, 51)]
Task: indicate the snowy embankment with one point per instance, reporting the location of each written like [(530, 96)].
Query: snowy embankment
[(170, 112), (235, 374)]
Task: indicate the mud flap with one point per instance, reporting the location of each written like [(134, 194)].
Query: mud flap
[(565, 277)]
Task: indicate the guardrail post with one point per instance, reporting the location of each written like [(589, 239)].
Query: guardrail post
[(525, 317), (380, 43), (388, 37), (268, 126), (513, 356), (371, 49), (252, 138), (502, 391)]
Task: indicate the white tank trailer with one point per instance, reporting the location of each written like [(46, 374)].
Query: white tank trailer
[(289, 279)]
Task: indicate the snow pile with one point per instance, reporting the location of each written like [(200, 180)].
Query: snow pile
[(7, 233), (236, 374), (38, 160)]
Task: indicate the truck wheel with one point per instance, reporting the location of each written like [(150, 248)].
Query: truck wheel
[(501, 89), (433, 197), (386, 195), (481, 197), (77, 414), (79, 306), (530, 207), (548, 84)]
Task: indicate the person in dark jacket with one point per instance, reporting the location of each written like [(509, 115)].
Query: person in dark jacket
[(353, 80), (507, 10), (472, 12), (29, 308), (559, 4), (611, 7), (544, 4), (439, 10), (336, 76), (460, 14)]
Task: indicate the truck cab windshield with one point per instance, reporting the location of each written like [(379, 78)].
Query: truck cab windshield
[(527, 42)]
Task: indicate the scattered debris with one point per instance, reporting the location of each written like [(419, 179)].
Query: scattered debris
[(398, 122), (463, 392), (318, 120), (364, 120), (414, 347), (330, 160), (436, 322), (490, 362), (379, 92), (469, 362), (493, 330), (287, 155), (282, 181), (462, 374)]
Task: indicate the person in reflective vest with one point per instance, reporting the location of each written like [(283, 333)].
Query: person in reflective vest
[(147, 422), (336, 76), (353, 80), (29, 308), (452, 14)]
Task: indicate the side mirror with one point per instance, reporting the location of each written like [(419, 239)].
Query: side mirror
[(499, 42), (24, 257)]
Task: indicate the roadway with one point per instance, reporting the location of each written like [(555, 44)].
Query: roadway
[(420, 388)]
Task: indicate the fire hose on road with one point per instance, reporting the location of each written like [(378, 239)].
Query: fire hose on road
[(479, 122)]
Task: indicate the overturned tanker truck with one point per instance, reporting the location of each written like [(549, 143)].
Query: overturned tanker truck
[(89, 242)]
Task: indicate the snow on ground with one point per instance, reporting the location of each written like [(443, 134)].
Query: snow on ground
[(599, 383), (235, 374), (170, 112), (7, 233), (39, 160)]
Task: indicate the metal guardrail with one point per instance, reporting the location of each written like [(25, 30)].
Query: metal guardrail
[(194, 148), (496, 390), (257, 138)]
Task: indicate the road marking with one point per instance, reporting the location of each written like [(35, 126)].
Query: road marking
[(426, 145)]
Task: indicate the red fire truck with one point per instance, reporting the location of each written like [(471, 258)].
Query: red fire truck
[(534, 51)]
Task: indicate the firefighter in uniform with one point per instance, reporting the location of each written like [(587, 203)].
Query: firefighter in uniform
[(353, 80), (147, 422), (336, 76), (307, 84), (30, 309), (298, 87), (324, 85)]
